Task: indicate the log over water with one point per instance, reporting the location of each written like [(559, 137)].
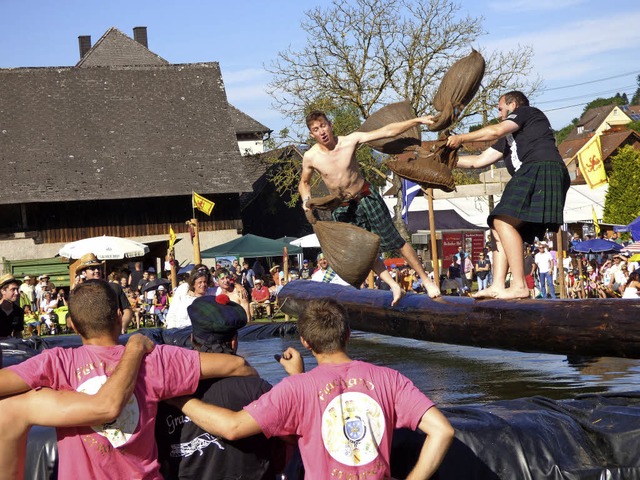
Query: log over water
[(589, 327)]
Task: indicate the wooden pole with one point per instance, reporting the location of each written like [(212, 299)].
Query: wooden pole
[(196, 241), (560, 261), (285, 269), (434, 241)]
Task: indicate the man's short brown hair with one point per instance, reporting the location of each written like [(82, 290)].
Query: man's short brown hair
[(314, 116), (93, 308), (324, 325), (516, 96)]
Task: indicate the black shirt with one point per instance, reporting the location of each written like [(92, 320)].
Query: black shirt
[(533, 142), (188, 452), (12, 322)]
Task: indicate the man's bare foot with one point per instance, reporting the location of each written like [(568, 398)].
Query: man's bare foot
[(490, 292), (432, 289), (513, 293), (398, 293)]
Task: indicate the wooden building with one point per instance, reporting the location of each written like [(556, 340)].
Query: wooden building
[(115, 145)]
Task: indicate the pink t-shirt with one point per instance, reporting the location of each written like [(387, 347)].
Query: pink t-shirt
[(125, 448), (344, 415)]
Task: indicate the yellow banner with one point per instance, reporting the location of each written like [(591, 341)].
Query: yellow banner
[(591, 165), (202, 203), (595, 221), (172, 237)]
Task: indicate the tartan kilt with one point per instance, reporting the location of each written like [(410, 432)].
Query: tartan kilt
[(535, 195), (372, 214)]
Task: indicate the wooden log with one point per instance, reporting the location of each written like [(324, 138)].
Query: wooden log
[(588, 327)]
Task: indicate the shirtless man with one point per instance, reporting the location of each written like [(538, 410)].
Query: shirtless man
[(236, 292), (334, 159)]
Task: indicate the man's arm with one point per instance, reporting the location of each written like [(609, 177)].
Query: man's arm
[(390, 130), (304, 187), (488, 157), (488, 133), (440, 434), (217, 420), (216, 365)]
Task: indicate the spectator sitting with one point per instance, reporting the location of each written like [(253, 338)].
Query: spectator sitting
[(31, 320), (260, 296)]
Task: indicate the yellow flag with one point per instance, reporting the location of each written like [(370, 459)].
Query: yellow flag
[(172, 237), (591, 165), (202, 203), (595, 221)]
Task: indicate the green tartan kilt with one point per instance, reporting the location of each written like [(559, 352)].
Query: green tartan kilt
[(372, 214), (535, 195)]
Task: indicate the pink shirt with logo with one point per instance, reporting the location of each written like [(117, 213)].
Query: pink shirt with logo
[(344, 415), (125, 448)]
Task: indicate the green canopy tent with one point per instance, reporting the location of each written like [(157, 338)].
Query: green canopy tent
[(250, 246)]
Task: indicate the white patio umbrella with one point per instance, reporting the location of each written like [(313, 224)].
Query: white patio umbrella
[(308, 241), (632, 248), (105, 248)]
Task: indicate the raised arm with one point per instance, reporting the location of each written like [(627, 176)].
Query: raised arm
[(439, 436), (217, 420), (390, 130), (488, 133), (217, 365)]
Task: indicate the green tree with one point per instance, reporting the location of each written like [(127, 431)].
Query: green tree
[(617, 99), (634, 126), (564, 132), (635, 100), (622, 202)]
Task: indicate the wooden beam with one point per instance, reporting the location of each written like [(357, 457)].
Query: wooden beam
[(589, 327)]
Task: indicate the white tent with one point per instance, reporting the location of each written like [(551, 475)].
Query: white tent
[(475, 209), (308, 241)]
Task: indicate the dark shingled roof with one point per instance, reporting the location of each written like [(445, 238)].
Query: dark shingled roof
[(116, 132), (115, 48), (243, 123)]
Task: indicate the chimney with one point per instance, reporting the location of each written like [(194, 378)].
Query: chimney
[(84, 42), (140, 35)]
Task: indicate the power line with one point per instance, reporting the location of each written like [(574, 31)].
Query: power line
[(592, 81), (610, 91)]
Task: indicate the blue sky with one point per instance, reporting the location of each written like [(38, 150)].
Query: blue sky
[(582, 48)]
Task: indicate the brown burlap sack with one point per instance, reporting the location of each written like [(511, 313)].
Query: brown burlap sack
[(328, 202), (425, 167), (394, 112), (350, 250), (457, 88)]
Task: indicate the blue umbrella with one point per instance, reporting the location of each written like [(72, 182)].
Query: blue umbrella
[(186, 269), (597, 245)]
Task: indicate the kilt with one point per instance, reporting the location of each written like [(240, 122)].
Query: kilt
[(372, 214), (535, 195)]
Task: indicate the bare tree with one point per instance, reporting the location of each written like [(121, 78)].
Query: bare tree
[(363, 54)]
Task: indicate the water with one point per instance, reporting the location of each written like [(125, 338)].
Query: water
[(458, 375)]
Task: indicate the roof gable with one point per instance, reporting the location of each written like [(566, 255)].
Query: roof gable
[(115, 48), (598, 119), (243, 123)]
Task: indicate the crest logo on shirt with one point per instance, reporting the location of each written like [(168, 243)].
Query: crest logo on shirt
[(353, 427), (120, 430)]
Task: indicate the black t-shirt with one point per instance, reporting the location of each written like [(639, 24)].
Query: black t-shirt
[(529, 261), (11, 322), (123, 301), (533, 142), (482, 274), (454, 271), (188, 452)]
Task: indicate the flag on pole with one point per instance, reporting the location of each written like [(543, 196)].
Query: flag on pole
[(172, 237), (591, 165), (202, 203), (595, 220), (409, 192)]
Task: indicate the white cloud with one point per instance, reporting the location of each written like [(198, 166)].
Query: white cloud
[(579, 47)]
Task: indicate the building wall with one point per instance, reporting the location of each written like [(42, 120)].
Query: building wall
[(251, 147)]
